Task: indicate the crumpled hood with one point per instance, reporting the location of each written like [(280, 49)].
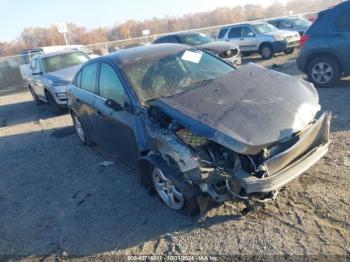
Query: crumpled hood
[(245, 110), (218, 46), (66, 74)]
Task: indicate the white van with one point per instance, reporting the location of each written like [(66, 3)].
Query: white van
[(26, 55)]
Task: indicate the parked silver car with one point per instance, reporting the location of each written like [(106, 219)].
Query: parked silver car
[(260, 37), (51, 74)]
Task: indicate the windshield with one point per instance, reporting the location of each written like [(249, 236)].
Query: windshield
[(264, 28), (168, 74), (195, 39), (61, 61)]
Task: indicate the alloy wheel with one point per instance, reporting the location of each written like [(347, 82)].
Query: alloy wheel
[(78, 128), (266, 52), (322, 72), (167, 191)]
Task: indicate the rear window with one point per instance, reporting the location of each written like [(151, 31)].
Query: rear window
[(222, 33)]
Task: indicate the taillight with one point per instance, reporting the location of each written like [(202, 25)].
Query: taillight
[(303, 40)]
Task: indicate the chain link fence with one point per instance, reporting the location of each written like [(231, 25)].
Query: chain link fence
[(10, 75)]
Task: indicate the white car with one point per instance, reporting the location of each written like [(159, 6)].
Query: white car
[(26, 55)]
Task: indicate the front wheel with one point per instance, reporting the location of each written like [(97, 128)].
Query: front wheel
[(266, 51), (323, 71), (289, 51), (53, 105), (172, 196), (36, 99)]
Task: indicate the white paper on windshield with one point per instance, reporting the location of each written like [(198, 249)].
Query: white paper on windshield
[(192, 56)]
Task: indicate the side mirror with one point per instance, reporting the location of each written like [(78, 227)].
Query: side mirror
[(114, 105), (251, 34)]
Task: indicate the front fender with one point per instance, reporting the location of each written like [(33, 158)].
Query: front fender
[(151, 160)]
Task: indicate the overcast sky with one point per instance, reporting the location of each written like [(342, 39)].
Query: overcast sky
[(18, 14)]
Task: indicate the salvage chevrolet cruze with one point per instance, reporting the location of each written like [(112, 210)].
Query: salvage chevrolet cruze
[(196, 127)]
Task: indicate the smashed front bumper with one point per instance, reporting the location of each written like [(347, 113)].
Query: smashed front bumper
[(280, 169)]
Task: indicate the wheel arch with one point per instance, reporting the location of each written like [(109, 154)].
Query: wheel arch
[(315, 55), (152, 159), (264, 43)]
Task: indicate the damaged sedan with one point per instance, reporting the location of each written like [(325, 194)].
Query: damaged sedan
[(196, 127)]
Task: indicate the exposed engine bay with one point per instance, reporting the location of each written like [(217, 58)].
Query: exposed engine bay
[(224, 174)]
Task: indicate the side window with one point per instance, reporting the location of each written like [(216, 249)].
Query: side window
[(24, 59), (170, 39), (222, 33), (343, 21), (32, 64), (88, 78), (36, 66), (167, 39), (110, 86), (235, 32), (247, 32), (285, 24)]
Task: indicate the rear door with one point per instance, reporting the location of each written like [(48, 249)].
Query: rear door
[(115, 129), (340, 38), (82, 96)]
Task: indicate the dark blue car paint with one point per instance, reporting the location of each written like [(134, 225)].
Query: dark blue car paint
[(327, 39)]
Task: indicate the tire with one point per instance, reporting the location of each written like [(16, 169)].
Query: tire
[(323, 71), (171, 196), (266, 51), (289, 51), (52, 103), (36, 99), (80, 130)]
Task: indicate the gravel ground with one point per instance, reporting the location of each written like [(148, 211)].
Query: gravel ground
[(60, 198)]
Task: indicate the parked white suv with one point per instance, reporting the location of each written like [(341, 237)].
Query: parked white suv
[(260, 37)]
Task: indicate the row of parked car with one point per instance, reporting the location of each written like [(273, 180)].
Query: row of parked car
[(198, 128)]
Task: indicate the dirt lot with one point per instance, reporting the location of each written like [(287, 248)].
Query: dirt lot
[(60, 198)]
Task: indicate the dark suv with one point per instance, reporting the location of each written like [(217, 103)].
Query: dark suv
[(325, 47)]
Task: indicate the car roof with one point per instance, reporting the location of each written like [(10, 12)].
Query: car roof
[(26, 51), (284, 18), (182, 34), (68, 51), (127, 56), (245, 23)]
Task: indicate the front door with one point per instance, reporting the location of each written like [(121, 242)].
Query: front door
[(248, 40), (115, 128)]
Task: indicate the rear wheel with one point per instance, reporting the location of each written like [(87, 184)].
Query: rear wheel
[(172, 196), (36, 99), (266, 51), (323, 71), (82, 134)]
